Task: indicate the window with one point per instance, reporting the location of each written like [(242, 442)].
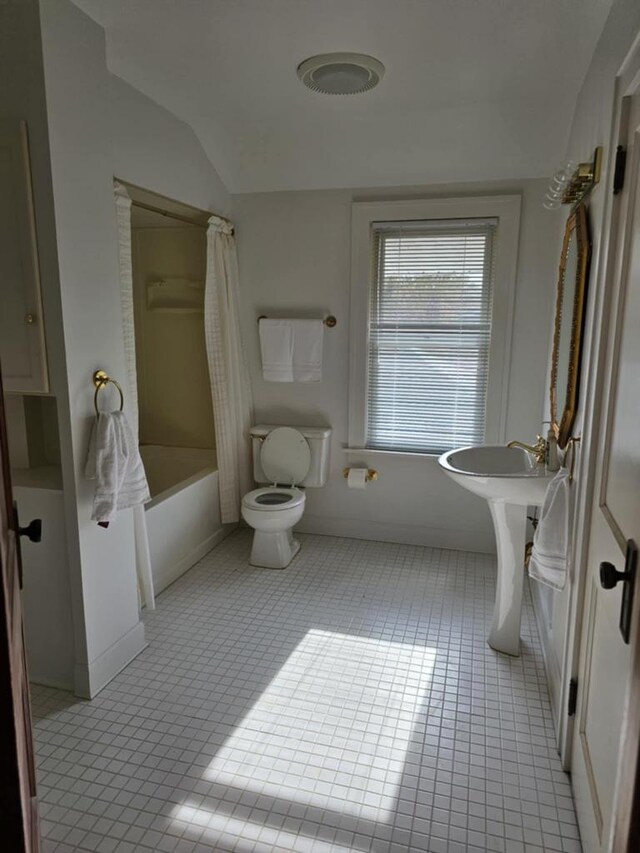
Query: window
[(429, 334), (432, 296)]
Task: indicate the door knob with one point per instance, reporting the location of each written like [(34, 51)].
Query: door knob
[(33, 531), (610, 576)]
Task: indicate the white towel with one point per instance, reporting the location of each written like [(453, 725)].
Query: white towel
[(276, 349), (308, 337), (549, 557), (291, 350), (114, 462)]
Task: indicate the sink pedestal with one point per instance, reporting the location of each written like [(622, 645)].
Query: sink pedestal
[(510, 524), (509, 480)]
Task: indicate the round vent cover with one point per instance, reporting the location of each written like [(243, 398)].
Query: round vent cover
[(341, 73)]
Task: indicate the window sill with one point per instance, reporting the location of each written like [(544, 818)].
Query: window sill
[(377, 452)]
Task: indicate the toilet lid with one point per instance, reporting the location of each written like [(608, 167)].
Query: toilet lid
[(285, 456)]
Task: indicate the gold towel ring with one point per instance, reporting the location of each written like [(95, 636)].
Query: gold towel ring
[(101, 380)]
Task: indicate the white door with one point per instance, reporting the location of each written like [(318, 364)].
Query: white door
[(604, 656)]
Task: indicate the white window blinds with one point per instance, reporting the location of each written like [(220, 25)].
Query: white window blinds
[(429, 334)]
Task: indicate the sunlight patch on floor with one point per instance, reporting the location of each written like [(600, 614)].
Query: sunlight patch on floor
[(247, 836), (333, 727)]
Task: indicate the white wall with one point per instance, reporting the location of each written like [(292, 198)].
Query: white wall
[(591, 126), (294, 253), (153, 149), (77, 95)]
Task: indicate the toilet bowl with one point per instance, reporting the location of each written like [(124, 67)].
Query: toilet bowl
[(287, 458), (273, 512)]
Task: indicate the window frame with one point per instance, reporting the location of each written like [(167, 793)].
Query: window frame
[(505, 208)]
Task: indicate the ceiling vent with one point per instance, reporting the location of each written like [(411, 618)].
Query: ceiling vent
[(341, 73)]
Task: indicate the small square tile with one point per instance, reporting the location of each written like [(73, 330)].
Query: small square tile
[(348, 703)]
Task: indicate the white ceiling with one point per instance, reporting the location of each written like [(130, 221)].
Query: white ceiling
[(474, 89)]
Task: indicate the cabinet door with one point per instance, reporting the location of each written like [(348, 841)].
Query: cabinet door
[(22, 342)]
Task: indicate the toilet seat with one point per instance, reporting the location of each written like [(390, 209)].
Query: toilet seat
[(285, 456), (273, 499)]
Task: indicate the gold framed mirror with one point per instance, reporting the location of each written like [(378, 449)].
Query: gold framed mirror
[(568, 324)]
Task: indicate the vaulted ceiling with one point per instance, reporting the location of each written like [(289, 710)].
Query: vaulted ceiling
[(474, 89)]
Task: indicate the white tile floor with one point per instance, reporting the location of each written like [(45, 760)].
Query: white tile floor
[(349, 703)]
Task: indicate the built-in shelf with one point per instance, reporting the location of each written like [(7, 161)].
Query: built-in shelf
[(43, 477)]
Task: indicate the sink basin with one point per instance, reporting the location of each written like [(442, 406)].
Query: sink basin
[(496, 472), (510, 480)]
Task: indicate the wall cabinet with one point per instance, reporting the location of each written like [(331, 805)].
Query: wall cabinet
[(22, 339)]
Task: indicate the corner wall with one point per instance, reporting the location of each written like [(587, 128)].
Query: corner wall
[(295, 254), (76, 90), (153, 149), (92, 128)]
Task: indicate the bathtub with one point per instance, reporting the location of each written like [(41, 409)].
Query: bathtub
[(183, 516)]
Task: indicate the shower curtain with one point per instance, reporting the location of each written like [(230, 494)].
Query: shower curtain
[(230, 389), (123, 211)]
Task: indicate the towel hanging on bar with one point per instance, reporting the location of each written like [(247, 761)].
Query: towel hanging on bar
[(291, 350)]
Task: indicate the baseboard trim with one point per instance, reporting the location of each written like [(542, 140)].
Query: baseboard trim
[(551, 669), (91, 677), (458, 539), (57, 683), (191, 558)]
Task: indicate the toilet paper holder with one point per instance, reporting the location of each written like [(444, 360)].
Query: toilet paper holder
[(372, 474)]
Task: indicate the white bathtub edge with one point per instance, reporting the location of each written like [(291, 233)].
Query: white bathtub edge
[(190, 559), (178, 487)]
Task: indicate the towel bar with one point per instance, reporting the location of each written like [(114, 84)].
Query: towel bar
[(329, 321), (101, 380)]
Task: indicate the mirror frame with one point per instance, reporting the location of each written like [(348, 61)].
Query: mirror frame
[(577, 226)]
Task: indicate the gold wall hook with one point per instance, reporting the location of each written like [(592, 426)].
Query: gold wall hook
[(584, 179)]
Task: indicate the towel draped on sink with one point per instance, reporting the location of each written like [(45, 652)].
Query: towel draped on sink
[(549, 557)]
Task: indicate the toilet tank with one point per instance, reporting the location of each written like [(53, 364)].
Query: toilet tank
[(318, 439)]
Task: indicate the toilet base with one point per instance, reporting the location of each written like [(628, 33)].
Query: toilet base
[(273, 550)]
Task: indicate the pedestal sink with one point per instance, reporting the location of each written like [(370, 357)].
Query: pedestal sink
[(510, 480)]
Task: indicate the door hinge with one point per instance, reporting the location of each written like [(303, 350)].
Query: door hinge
[(573, 697), (619, 169)]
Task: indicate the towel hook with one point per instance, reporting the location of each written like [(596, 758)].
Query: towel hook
[(101, 379), (571, 448)]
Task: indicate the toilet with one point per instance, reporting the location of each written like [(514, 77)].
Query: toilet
[(288, 459)]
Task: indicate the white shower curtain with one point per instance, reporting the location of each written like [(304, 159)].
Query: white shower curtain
[(123, 211), (230, 389)]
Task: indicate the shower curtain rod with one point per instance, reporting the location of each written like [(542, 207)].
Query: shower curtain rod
[(176, 215)]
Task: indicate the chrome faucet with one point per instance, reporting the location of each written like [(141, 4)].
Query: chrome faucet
[(538, 450)]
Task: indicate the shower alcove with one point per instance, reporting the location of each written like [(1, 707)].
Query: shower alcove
[(177, 438)]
